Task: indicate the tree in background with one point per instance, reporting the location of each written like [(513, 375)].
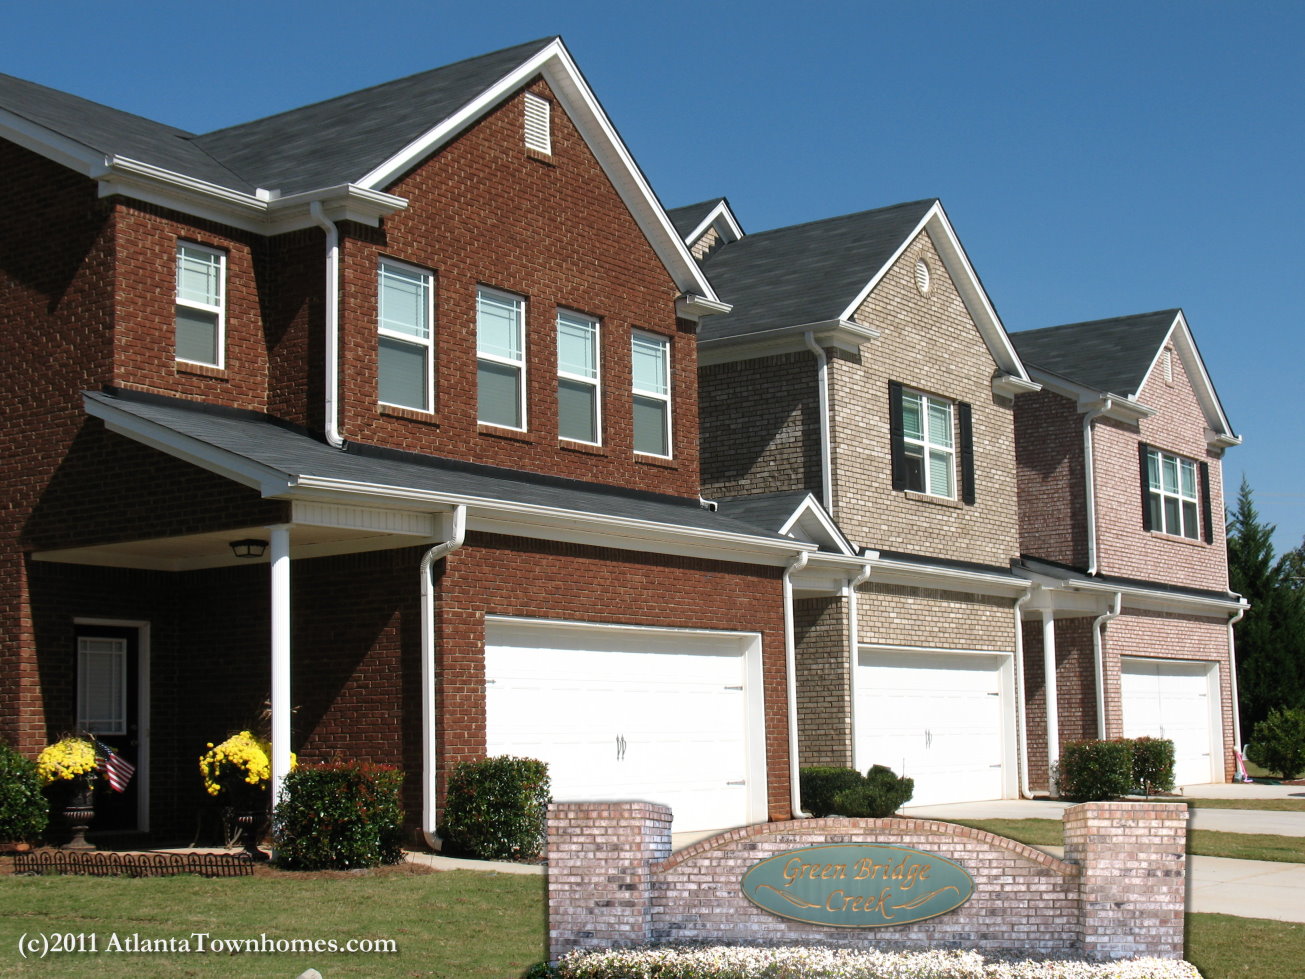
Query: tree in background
[(1271, 636)]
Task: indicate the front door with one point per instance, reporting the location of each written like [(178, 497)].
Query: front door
[(108, 683)]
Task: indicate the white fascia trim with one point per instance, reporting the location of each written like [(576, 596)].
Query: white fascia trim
[(64, 151), (1222, 434), (1008, 385), (488, 508), (555, 64), (696, 307), (722, 219), (262, 212), (967, 283), (894, 572), (842, 335), (268, 481), (1110, 405), (1159, 601), (810, 507)]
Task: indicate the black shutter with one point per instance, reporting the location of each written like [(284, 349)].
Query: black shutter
[(963, 416), (896, 435), (1142, 450), (1207, 516)]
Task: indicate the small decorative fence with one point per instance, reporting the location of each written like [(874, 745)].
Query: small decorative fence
[(1119, 892), (102, 864)]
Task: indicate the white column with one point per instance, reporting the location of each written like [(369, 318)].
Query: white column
[(279, 556), (1049, 685)]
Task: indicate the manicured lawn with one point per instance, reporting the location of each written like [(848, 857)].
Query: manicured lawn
[(452, 925), (1201, 842)]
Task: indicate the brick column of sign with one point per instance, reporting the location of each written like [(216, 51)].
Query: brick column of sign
[(599, 885), (1133, 860)]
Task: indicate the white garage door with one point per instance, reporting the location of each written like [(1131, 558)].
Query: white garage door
[(1171, 699), (623, 714), (936, 717)]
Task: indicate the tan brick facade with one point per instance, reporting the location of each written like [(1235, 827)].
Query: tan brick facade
[(824, 688)]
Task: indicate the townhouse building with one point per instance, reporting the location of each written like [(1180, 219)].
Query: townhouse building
[(380, 415)]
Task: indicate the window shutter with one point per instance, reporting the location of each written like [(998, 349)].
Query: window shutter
[(1142, 450), (966, 425), (896, 435), (1207, 516)]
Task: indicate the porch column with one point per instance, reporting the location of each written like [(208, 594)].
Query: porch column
[(1049, 684), (279, 554)]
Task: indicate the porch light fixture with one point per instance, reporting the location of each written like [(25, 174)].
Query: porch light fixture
[(248, 548)]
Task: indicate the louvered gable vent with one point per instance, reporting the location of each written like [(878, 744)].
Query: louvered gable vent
[(538, 137)]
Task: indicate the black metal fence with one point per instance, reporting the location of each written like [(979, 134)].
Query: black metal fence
[(108, 864)]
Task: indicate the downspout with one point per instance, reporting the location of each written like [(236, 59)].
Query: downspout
[(428, 677), (854, 654), (1021, 722), (790, 666), (1090, 481), (1099, 666), (1232, 679), (822, 385), (332, 316)]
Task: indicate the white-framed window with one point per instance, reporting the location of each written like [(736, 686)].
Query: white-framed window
[(578, 388), (538, 114), (928, 445), (650, 367), (500, 359), (102, 685), (201, 304), (405, 365), (1172, 494)]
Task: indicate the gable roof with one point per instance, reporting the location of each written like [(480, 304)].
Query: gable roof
[(690, 217), (1111, 359), (693, 221), (343, 153)]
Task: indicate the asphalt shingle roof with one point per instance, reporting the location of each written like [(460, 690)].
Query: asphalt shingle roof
[(685, 219), (1104, 355), (806, 273), (321, 145), (294, 453)]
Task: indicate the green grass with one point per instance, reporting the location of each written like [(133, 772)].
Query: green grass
[(1200, 842), (1264, 805), (454, 924)]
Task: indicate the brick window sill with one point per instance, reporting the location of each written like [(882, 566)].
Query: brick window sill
[(201, 370), (545, 158), (656, 461), (935, 500), (506, 434), (409, 414), (1175, 539), (581, 447)]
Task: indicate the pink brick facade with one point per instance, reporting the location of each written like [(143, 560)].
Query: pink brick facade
[(1119, 893)]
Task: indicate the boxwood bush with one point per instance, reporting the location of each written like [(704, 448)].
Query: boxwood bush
[(496, 808), (1093, 771), (1153, 765), (1278, 742), (339, 816), (23, 807), (829, 791)]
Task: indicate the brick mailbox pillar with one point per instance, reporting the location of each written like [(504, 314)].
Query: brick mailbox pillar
[(599, 880), (1133, 858)]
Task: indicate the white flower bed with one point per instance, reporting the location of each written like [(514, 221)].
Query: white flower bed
[(813, 962)]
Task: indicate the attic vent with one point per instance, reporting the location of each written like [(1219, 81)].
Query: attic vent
[(538, 136), (1169, 366), (923, 276)]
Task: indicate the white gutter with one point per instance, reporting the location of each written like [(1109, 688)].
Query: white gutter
[(332, 313), (854, 653), (1049, 686), (1232, 678), (1089, 480), (822, 382), (429, 752), (790, 667), (1021, 722), (1097, 664)]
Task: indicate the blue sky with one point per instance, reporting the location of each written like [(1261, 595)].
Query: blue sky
[(1096, 159)]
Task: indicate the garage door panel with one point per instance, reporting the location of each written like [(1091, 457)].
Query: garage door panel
[(1171, 699)]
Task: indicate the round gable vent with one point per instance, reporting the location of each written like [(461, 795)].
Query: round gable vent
[(923, 276)]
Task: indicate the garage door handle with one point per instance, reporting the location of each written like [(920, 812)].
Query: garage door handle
[(620, 748), (741, 781)]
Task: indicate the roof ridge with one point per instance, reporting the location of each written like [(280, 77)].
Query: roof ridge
[(1099, 322), (930, 201), (175, 130)]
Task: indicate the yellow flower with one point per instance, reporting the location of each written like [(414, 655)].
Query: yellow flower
[(67, 758), (240, 758)]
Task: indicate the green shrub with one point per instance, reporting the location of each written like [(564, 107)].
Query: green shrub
[(1091, 771), (881, 793), (819, 784), (496, 808), (339, 816), (1153, 765), (22, 804), (1278, 742)]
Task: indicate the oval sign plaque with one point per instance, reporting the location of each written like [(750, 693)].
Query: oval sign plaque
[(857, 885)]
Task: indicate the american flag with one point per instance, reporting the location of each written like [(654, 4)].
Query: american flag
[(116, 769)]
